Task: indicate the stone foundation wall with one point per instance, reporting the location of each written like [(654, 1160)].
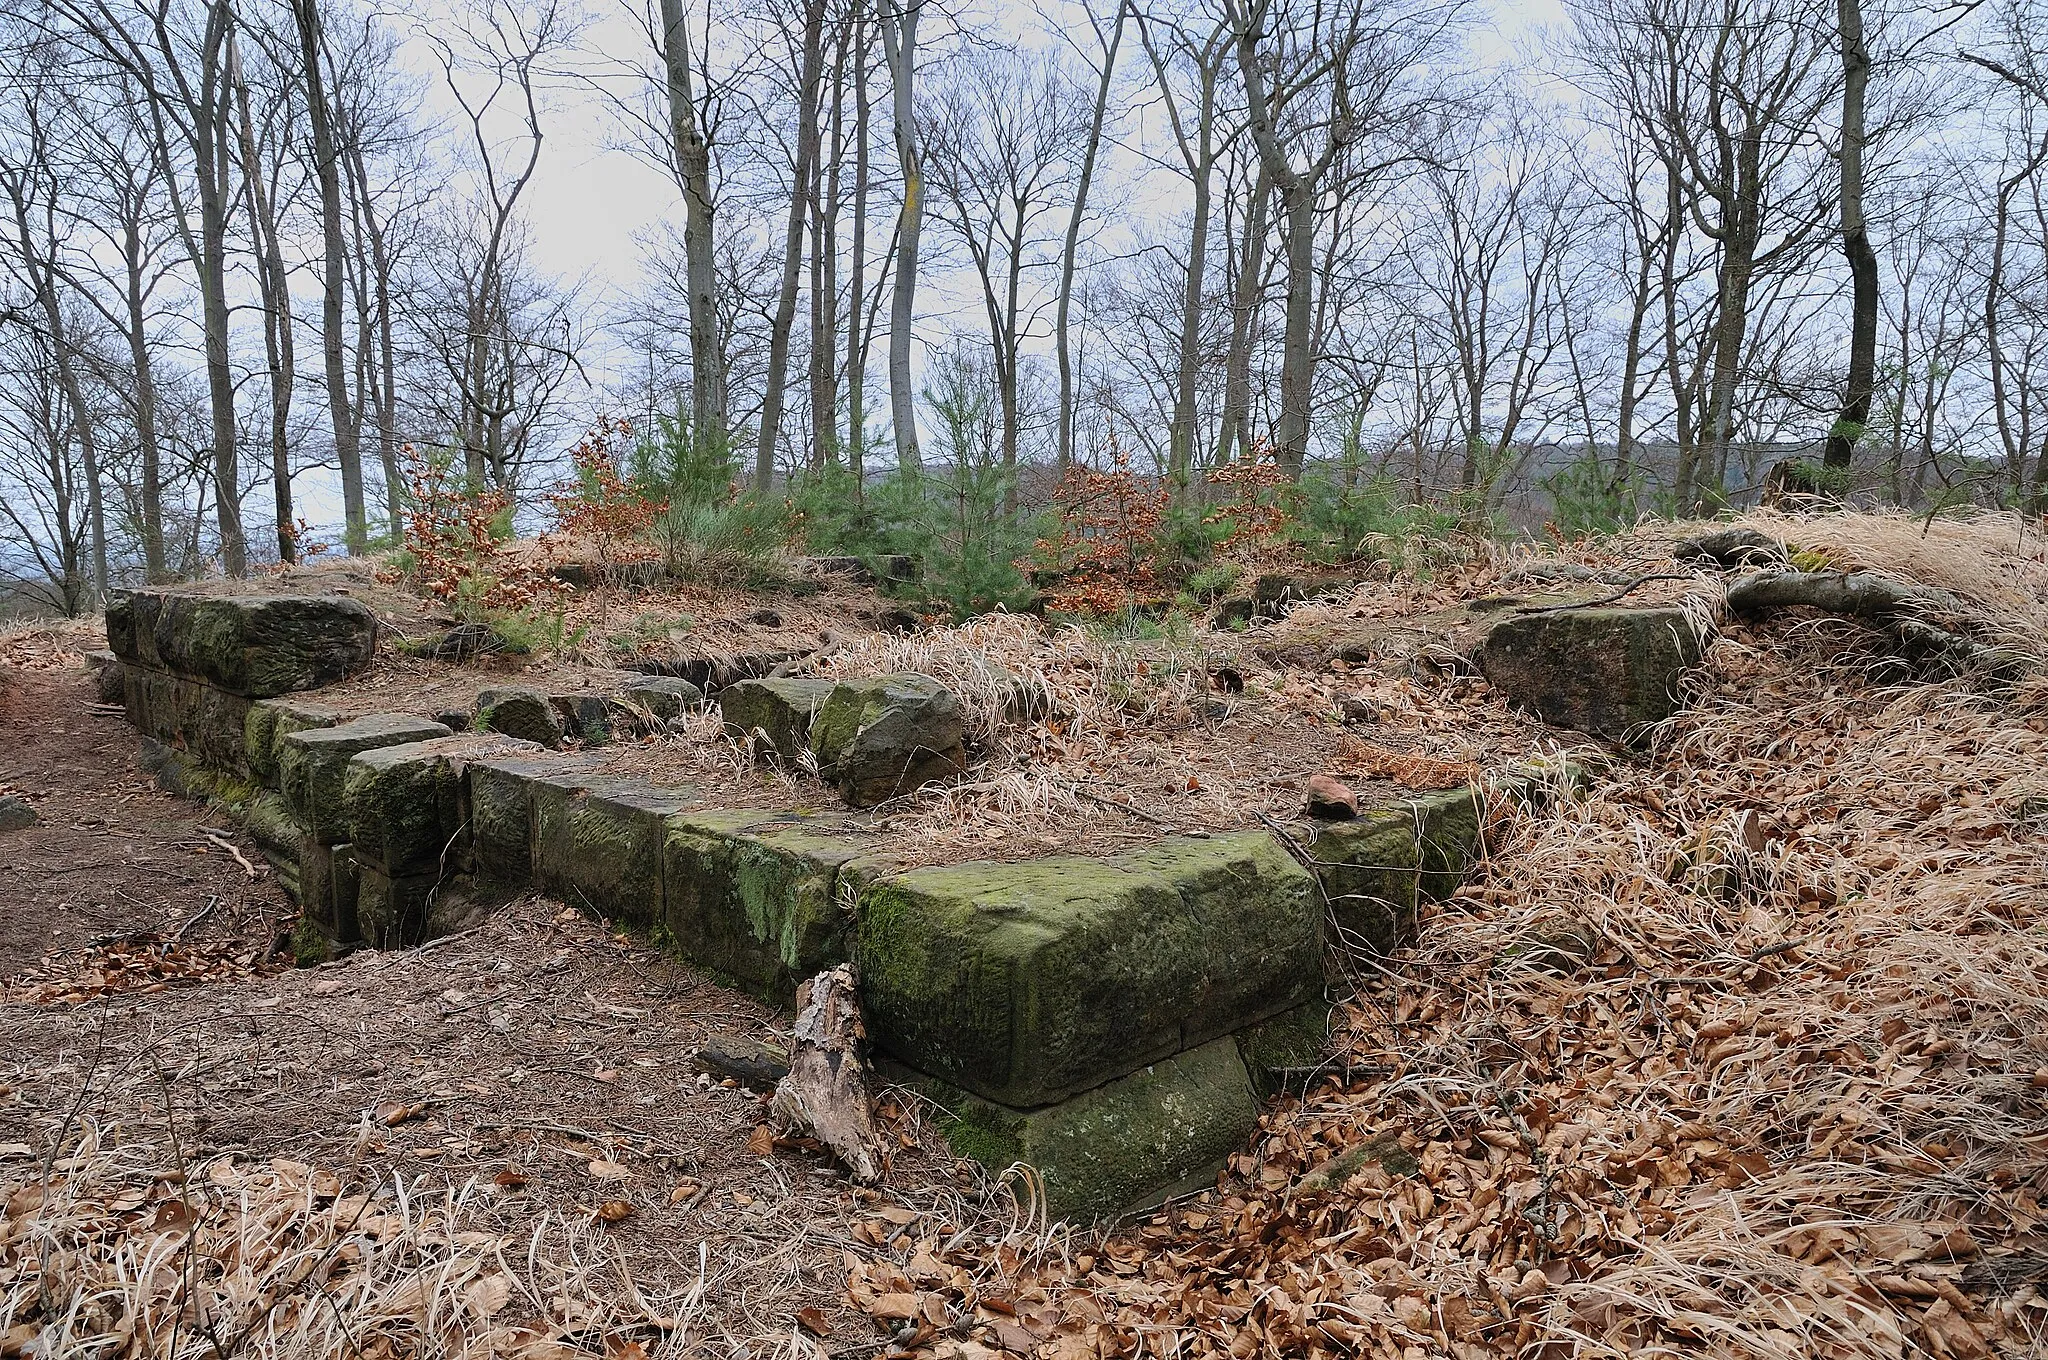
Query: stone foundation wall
[(1113, 1022)]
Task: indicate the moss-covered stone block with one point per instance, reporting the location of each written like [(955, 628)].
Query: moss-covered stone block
[(754, 896), (1610, 672), (269, 722), (1450, 833), (254, 646), (279, 834), (598, 845), (1125, 1144), (406, 808), (881, 738), (1278, 1053), (501, 813), (1369, 869), (519, 711), (190, 715), (1026, 982), (311, 763), (393, 910), (775, 715)]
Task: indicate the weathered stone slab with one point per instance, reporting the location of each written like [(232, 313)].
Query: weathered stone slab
[(1026, 982), (327, 881), (310, 765), (877, 739), (204, 720), (256, 646), (269, 722), (501, 801), (1124, 1144), (775, 715), (1609, 672), (652, 702), (519, 711), (398, 911), (279, 834), (406, 808), (598, 845), (1368, 869), (1280, 1052), (754, 896)]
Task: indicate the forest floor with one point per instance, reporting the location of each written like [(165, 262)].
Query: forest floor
[(1744, 1052)]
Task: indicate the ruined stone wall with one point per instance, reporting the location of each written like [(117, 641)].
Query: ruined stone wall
[(1113, 1022)]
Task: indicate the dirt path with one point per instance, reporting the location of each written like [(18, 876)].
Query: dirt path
[(110, 855)]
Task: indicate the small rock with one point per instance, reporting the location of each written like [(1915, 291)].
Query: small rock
[(661, 698), (774, 715), (898, 620), (1353, 709), (16, 814), (1330, 800), (107, 677), (460, 643), (519, 711), (767, 618), (880, 738), (587, 717)]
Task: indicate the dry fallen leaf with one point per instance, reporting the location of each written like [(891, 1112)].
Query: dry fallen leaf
[(609, 1171), (510, 1178), (761, 1142), (813, 1320), (900, 1307), (615, 1211)]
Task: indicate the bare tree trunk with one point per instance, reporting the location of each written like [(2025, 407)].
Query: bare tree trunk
[(135, 295), (274, 288), (856, 342), (792, 245), (824, 198), (1237, 363), (899, 48), (42, 264), (209, 138), (1855, 412), (1062, 347), (375, 301), (700, 260), (347, 448)]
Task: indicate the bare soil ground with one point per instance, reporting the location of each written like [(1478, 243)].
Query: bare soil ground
[(111, 856)]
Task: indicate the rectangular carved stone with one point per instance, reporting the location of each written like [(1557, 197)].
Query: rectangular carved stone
[(269, 722), (256, 646), (753, 896), (1027, 982), (1124, 1144), (310, 764), (501, 799), (598, 845), (406, 807), (186, 714)]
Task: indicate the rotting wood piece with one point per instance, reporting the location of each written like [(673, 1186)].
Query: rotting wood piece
[(1905, 609), (826, 1093)]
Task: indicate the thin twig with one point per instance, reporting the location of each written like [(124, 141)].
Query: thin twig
[(1607, 599)]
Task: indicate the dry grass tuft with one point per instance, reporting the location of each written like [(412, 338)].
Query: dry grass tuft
[(121, 1254), (1745, 1053)]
